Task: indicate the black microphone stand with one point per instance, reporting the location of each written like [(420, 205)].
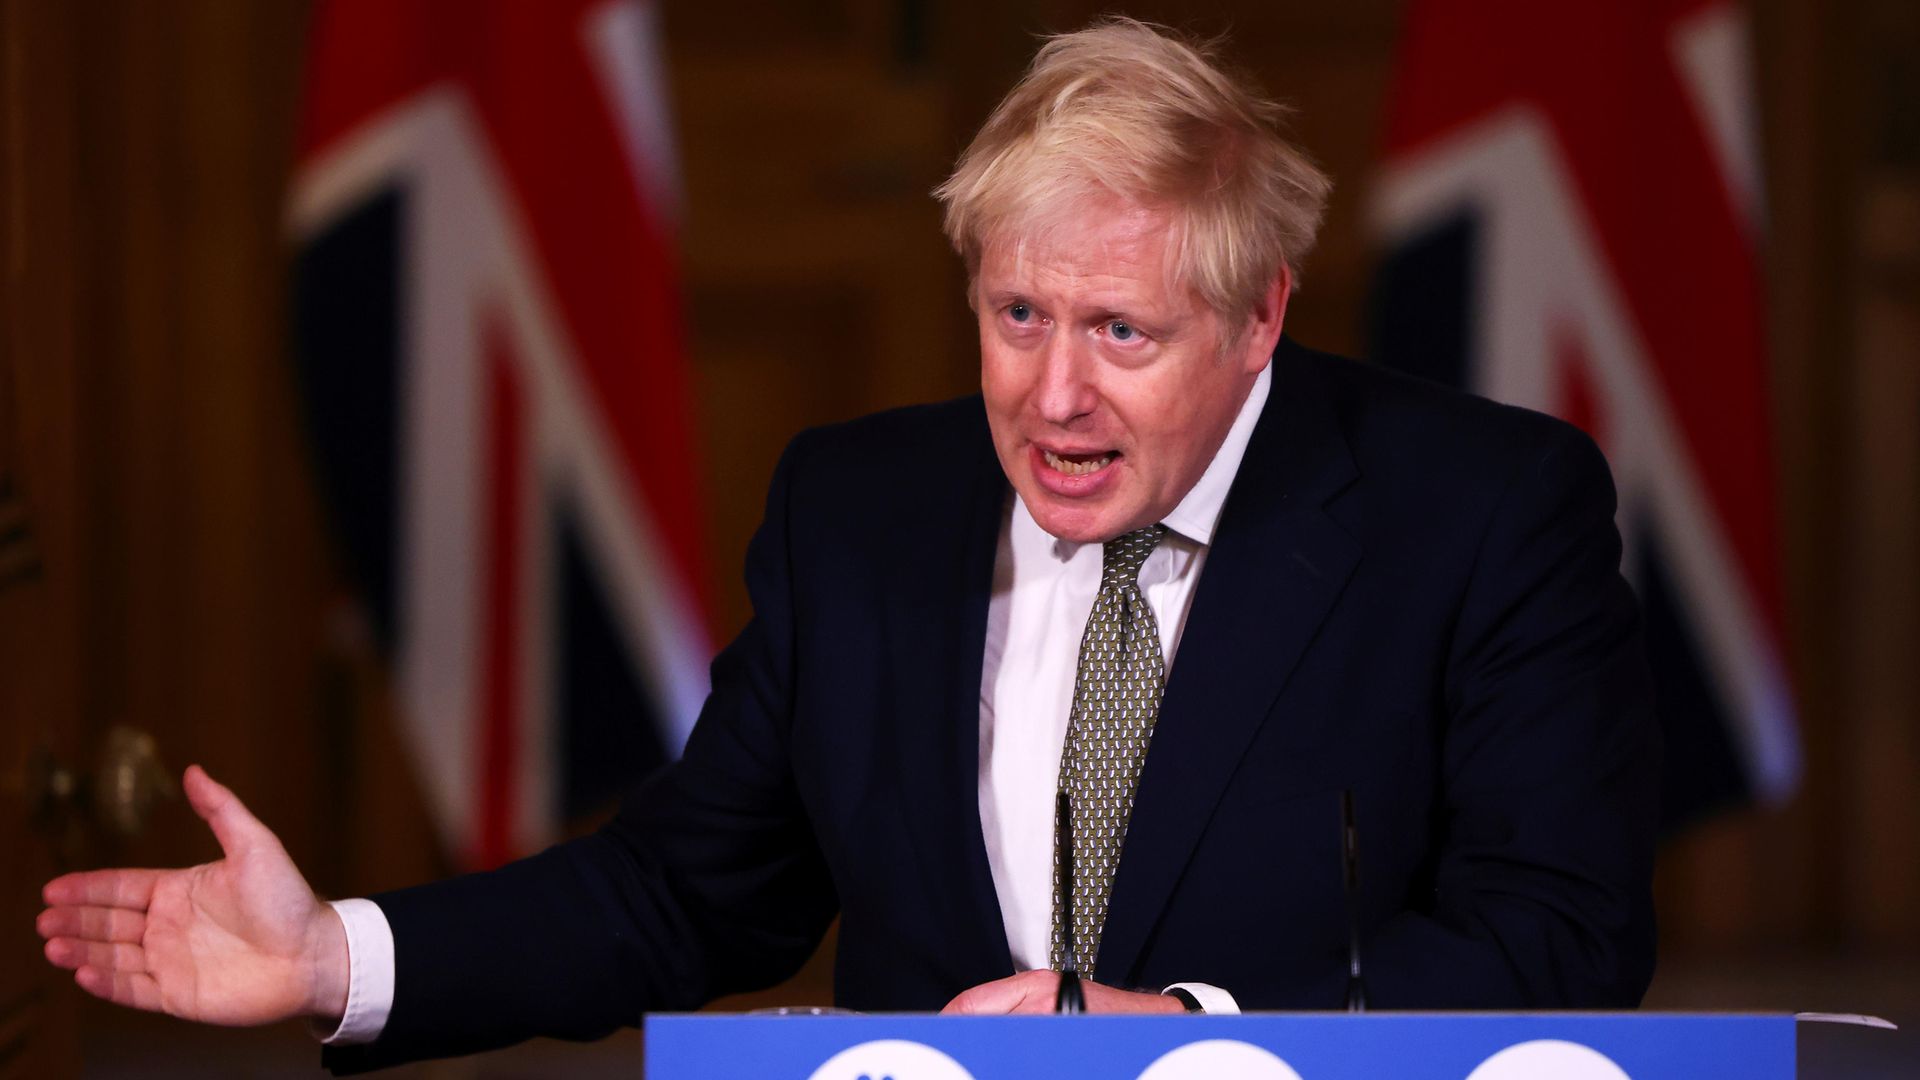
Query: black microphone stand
[(1350, 866), (1071, 1000)]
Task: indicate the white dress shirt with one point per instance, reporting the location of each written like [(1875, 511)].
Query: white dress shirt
[(1043, 591)]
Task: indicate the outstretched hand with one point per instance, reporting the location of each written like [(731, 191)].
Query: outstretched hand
[(239, 941)]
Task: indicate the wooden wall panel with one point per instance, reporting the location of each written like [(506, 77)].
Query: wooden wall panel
[(1879, 676), (207, 552), (818, 284), (42, 667), (208, 611)]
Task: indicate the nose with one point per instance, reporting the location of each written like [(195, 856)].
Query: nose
[(1065, 392)]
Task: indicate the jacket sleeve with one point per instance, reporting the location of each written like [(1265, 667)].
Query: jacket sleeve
[(1542, 889), (707, 882)]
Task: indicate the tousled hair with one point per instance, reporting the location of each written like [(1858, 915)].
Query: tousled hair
[(1127, 110)]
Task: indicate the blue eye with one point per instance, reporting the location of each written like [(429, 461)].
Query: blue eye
[(1019, 313), (1120, 330)]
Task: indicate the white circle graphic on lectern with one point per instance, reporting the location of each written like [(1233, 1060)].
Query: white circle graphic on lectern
[(891, 1059), (1549, 1059), (1219, 1059)]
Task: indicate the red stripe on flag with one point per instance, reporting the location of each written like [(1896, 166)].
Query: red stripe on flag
[(499, 744)]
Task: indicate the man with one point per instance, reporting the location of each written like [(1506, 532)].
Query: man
[(1196, 577)]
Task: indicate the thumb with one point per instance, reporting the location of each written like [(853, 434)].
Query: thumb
[(232, 823)]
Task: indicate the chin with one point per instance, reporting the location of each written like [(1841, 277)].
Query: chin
[(1078, 524)]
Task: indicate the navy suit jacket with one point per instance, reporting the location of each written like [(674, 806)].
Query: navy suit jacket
[(1411, 593)]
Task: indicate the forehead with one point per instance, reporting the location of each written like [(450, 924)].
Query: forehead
[(1082, 245)]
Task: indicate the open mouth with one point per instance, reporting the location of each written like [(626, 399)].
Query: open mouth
[(1079, 464)]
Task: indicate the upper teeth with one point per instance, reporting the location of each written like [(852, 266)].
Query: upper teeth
[(1077, 468)]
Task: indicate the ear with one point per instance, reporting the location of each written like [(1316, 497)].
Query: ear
[(1262, 331)]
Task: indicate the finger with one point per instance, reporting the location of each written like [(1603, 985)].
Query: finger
[(1003, 996), (1036, 995), (73, 954), (110, 888), (232, 823), (92, 924), (120, 987)]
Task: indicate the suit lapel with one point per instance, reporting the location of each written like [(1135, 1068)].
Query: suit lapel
[(1275, 567), (940, 657)]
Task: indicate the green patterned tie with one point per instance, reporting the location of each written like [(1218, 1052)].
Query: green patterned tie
[(1116, 697)]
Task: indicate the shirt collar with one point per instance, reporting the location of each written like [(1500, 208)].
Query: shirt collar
[(1199, 512)]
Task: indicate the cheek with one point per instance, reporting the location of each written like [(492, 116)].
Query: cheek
[(1001, 380), (1169, 427), (1154, 411)]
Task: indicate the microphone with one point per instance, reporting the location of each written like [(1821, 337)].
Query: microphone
[(1071, 1000), (1350, 867)]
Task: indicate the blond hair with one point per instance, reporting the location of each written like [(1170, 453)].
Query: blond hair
[(1126, 109)]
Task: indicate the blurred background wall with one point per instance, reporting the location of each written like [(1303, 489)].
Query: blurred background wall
[(166, 566)]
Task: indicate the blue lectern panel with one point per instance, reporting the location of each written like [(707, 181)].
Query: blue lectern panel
[(1409, 1046)]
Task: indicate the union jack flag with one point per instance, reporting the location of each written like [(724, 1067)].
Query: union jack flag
[(1571, 205), (490, 349)]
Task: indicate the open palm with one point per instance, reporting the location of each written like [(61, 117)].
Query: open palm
[(242, 940)]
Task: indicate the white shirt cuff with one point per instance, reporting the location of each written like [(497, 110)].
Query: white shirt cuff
[(1213, 1000), (369, 972)]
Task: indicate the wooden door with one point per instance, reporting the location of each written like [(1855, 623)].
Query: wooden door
[(172, 571), (39, 660)]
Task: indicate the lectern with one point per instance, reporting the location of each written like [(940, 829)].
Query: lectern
[(1313, 1046)]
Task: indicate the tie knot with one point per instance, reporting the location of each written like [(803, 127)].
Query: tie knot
[(1122, 557)]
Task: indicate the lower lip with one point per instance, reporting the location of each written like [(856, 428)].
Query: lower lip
[(1068, 485)]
